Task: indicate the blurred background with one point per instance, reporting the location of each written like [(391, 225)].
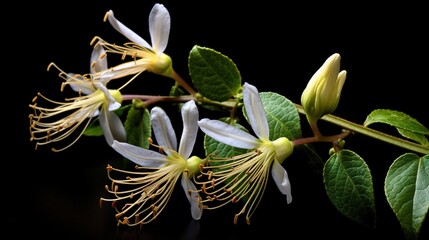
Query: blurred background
[(276, 48)]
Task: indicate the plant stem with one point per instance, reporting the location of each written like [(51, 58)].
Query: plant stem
[(184, 84), (357, 128)]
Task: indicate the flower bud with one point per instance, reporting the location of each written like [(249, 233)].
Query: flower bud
[(323, 91)]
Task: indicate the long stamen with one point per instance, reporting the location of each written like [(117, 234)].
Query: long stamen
[(243, 176), (49, 125), (153, 186)]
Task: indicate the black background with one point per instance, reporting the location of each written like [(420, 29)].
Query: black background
[(276, 48)]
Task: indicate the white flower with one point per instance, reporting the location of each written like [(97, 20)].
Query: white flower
[(153, 185), (146, 57), (246, 175), (48, 125)]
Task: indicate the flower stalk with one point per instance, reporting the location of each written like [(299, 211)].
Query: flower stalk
[(357, 128)]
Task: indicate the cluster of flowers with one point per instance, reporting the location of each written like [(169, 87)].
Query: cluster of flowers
[(209, 182)]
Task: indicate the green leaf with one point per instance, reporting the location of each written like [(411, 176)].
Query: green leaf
[(282, 115), (420, 138), (213, 74), (284, 121), (397, 119), (348, 183), (138, 127), (407, 190), (94, 129)]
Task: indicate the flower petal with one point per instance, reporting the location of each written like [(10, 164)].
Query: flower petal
[(255, 111), (112, 126), (227, 134), (128, 33), (98, 62), (125, 69), (190, 117), (79, 84), (282, 180), (159, 27), (163, 130), (140, 156), (193, 197)]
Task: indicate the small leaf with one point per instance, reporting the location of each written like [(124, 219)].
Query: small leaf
[(407, 190), (397, 119), (213, 74), (348, 183), (138, 127), (94, 129)]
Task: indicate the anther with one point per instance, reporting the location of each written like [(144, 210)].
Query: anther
[(93, 40), (106, 16), (109, 167), (203, 188), (126, 221), (49, 66), (161, 150), (118, 215), (154, 210), (236, 218)]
